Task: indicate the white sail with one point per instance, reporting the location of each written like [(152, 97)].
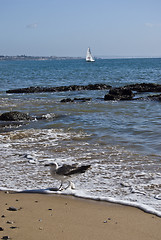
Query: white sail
[(89, 57)]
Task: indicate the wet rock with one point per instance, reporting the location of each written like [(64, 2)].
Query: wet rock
[(14, 116), (154, 97), (66, 100), (12, 209), (144, 87), (126, 92), (61, 88), (121, 93), (82, 99), (76, 100)]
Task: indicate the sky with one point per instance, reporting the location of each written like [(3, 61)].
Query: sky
[(111, 28)]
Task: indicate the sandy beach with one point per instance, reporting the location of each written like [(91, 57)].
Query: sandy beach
[(43, 216)]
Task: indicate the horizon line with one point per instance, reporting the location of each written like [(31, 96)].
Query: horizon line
[(80, 57)]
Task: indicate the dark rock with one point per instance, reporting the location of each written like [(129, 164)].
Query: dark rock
[(12, 209), (14, 116), (82, 99), (61, 88), (9, 222), (121, 93), (66, 100), (1, 229), (75, 100), (156, 97), (144, 87), (5, 237), (126, 92), (3, 216), (13, 227)]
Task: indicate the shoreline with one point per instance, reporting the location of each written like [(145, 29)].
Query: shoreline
[(53, 216)]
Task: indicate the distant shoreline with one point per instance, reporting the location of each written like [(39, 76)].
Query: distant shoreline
[(39, 58), (43, 58)]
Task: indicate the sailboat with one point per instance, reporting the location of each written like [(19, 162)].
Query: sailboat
[(89, 57)]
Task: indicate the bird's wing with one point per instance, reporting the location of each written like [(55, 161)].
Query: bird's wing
[(65, 169), (76, 170)]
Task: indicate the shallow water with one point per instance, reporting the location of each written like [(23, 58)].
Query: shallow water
[(121, 140)]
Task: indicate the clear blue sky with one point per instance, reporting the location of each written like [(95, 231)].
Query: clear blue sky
[(68, 27)]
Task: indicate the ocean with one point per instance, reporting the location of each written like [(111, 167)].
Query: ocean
[(120, 139)]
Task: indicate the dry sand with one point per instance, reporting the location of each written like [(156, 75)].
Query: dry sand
[(55, 217)]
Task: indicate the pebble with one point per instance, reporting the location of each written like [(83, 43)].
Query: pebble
[(1, 229), (9, 222), (3, 216), (109, 219), (13, 227), (12, 209), (5, 237)]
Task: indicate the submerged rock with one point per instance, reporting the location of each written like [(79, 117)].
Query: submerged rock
[(76, 100), (156, 97), (14, 116), (144, 87)]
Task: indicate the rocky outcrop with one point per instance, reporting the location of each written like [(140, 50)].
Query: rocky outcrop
[(127, 92), (119, 94), (14, 116), (144, 87), (61, 88)]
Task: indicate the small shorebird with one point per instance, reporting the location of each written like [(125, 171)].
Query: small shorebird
[(66, 171)]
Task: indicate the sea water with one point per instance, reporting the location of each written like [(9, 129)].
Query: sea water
[(120, 139)]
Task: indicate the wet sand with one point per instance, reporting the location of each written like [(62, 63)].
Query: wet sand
[(43, 216)]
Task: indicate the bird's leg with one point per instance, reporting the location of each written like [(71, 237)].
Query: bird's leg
[(67, 185), (60, 188), (72, 185)]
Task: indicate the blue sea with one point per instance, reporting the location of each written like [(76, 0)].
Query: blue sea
[(120, 139)]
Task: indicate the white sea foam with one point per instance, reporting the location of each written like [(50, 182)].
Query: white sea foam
[(116, 175)]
